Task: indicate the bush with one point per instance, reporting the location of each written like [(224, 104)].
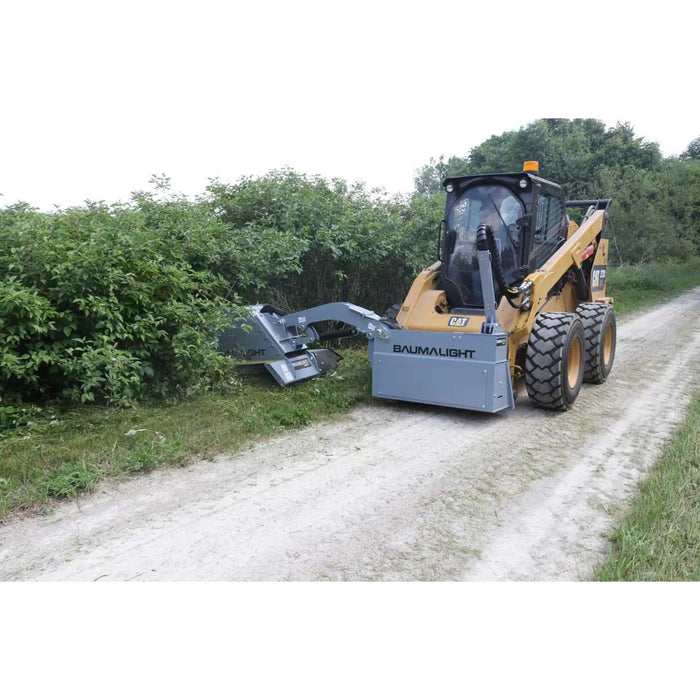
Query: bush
[(109, 303), (299, 241), (665, 277), (115, 303)]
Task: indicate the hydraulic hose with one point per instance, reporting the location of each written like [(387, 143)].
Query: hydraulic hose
[(484, 232), (342, 333)]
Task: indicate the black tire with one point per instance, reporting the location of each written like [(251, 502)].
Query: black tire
[(600, 333), (554, 362)]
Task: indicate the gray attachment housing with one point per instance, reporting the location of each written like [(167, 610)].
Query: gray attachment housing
[(461, 370)]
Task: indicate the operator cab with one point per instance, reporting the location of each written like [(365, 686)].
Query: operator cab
[(527, 216)]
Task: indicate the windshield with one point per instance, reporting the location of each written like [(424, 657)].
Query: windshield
[(497, 207)]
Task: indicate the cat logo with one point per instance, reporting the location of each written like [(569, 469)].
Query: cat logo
[(458, 321)]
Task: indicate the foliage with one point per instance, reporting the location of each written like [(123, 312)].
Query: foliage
[(635, 286), (301, 241), (117, 303), (570, 152), (429, 178), (693, 150), (108, 303)]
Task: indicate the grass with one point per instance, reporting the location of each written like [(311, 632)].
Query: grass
[(660, 539), (640, 286), (62, 454)]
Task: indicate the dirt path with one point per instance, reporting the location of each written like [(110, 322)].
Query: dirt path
[(394, 491)]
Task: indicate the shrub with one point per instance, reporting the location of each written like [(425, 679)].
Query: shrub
[(109, 303), (115, 303), (299, 241)]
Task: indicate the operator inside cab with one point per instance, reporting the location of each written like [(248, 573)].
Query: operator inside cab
[(497, 207)]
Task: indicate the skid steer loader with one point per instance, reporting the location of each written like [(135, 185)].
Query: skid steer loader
[(518, 290)]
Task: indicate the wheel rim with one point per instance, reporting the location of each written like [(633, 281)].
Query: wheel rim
[(608, 344), (574, 363)]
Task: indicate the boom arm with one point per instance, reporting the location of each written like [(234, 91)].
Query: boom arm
[(365, 321), (281, 342)]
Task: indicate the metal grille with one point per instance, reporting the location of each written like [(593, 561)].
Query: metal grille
[(547, 228)]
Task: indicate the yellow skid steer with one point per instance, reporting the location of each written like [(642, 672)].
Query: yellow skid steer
[(518, 290)]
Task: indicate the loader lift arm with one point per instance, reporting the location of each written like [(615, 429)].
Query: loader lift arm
[(569, 254)]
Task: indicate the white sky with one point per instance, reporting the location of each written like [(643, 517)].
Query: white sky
[(98, 96)]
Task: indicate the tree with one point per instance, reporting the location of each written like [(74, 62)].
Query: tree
[(569, 151), (430, 177), (693, 150)]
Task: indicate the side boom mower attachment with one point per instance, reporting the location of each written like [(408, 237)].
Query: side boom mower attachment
[(448, 369), (281, 341)]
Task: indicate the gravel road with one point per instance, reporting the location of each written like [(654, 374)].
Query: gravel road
[(392, 492)]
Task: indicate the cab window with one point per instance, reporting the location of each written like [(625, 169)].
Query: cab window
[(548, 227), (499, 208)]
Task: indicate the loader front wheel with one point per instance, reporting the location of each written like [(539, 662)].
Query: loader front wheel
[(600, 339), (555, 361)]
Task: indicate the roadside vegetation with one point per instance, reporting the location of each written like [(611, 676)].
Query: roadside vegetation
[(658, 540), (635, 287), (61, 453), (110, 313)]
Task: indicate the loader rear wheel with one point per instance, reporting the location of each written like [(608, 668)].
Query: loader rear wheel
[(555, 361), (600, 333)]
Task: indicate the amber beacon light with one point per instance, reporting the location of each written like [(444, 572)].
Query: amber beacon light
[(531, 165)]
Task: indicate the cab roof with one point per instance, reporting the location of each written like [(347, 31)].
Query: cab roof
[(460, 181)]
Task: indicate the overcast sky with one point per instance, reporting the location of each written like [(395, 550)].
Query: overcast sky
[(98, 96)]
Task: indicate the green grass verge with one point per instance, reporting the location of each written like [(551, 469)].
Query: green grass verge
[(640, 286), (659, 540), (61, 454)]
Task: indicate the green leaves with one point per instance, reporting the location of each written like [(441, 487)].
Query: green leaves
[(103, 321), (115, 303), (300, 241)]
